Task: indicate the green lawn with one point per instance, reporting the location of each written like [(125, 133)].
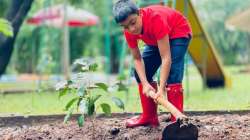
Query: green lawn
[(235, 98)]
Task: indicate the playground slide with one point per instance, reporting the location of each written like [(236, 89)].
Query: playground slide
[(202, 50)]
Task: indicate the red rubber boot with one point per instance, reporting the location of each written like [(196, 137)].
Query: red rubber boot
[(175, 96), (149, 111)]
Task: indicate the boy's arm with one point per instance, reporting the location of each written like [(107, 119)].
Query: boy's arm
[(140, 69), (161, 29), (164, 49), (139, 64)]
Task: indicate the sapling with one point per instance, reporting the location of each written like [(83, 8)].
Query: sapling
[(84, 100)]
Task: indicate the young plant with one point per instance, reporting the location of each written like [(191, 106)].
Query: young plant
[(85, 100)]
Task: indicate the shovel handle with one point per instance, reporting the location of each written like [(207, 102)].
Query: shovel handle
[(166, 104)]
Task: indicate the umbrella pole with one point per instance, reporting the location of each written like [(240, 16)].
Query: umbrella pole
[(65, 54)]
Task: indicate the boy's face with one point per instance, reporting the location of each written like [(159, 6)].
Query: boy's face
[(133, 24)]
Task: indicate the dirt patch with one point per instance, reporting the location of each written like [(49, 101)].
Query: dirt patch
[(211, 127)]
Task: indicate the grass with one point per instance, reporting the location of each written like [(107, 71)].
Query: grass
[(235, 98)]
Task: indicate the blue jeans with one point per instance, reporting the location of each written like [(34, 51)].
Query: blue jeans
[(152, 60)]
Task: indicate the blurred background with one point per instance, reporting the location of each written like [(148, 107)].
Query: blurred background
[(42, 39)]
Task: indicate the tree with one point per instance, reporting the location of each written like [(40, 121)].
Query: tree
[(16, 14)]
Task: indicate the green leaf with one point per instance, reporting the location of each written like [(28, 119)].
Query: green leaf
[(63, 92), (122, 87), (84, 69), (61, 85), (118, 102), (80, 120), (81, 62), (6, 28), (83, 106), (91, 104), (69, 82), (102, 86), (81, 91), (121, 77), (66, 118), (70, 103), (113, 88), (95, 98), (93, 67), (106, 108), (91, 109), (79, 102)]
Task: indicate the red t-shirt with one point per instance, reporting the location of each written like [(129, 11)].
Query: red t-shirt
[(159, 21)]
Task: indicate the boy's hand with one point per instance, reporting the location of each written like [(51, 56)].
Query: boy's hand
[(182, 117), (160, 93), (146, 88)]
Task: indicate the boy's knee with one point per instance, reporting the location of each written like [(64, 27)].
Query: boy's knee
[(175, 76)]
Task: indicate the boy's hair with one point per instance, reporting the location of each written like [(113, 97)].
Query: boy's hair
[(124, 8)]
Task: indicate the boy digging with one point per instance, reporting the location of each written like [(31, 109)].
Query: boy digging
[(166, 33)]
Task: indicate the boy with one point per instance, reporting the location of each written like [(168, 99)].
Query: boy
[(166, 33)]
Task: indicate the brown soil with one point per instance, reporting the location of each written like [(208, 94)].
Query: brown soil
[(227, 126)]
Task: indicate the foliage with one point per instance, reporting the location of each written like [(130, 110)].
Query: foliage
[(28, 45), (39, 52), (5, 27), (84, 100), (40, 45), (3, 6)]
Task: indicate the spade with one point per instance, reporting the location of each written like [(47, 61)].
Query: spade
[(182, 129)]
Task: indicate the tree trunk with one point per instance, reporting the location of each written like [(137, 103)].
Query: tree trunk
[(16, 15)]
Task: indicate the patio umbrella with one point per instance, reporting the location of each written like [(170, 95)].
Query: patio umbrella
[(240, 21), (54, 16), (64, 16)]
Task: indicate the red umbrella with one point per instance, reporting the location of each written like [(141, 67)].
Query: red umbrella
[(54, 16)]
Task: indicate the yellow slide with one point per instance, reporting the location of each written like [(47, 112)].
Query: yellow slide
[(202, 50)]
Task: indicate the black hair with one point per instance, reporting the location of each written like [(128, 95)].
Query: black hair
[(124, 8)]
